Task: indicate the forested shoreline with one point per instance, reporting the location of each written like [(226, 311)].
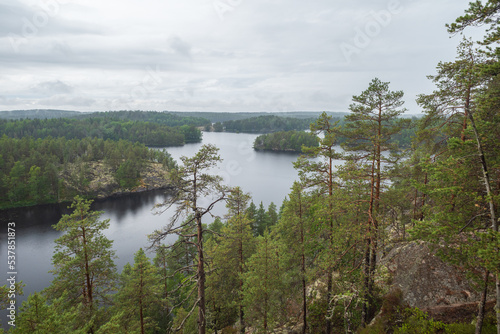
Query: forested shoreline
[(147, 133), (52, 170)]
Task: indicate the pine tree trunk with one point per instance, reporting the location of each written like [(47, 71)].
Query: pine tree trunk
[(489, 194), (366, 280), (375, 232), (90, 299), (329, 284), (304, 301), (242, 318), (141, 314), (370, 252), (482, 304), (266, 289), (201, 277), (423, 199), (165, 285), (497, 307), (303, 268)]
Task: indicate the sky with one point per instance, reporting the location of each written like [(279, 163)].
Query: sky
[(219, 55)]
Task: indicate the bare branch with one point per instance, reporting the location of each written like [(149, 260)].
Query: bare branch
[(189, 314), (470, 221)]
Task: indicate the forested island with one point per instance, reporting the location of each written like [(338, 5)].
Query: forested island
[(392, 240), (285, 141)]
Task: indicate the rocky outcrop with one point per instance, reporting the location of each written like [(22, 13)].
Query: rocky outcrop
[(424, 279), (97, 179), (428, 283)]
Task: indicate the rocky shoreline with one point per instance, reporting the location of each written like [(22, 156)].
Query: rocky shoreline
[(99, 181), (96, 181)]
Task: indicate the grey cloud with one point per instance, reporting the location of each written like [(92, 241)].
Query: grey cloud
[(321, 96), (59, 53), (53, 87), (11, 14), (30, 22), (179, 46), (240, 82), (262, 55), (68, 100), (13, 101)]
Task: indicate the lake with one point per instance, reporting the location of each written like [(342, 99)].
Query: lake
[(267, 176)]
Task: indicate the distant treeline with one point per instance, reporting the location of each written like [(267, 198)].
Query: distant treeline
[(38, 113), (147, 133), (171, 118), (30, 169), (165, 118), (220, 117), (264, 124), (285, 141)]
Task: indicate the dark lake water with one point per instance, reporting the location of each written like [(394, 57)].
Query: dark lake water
[(266, 176)]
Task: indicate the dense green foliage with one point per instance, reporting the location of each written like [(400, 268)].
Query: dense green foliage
[(31, 169), (148, 133), (285, 141), (263, 124)]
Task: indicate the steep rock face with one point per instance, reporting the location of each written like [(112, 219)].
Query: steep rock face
[(424, 279)]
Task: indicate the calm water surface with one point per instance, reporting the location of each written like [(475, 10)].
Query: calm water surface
[(266, 176)]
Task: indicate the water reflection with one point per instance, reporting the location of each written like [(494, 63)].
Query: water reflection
[(123, 206)]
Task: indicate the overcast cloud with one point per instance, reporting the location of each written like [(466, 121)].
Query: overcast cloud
[(218, 55)]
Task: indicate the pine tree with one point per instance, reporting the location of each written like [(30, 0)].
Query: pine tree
[(229, 255), (293, 231), (263, 285), (261, 220), (193, 183), (317, 170), (160, 261), (369, 129), (83, 264), (138, 294), (252, 215), (479, 14), (272, 214), (176, 268), (469, 189)]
